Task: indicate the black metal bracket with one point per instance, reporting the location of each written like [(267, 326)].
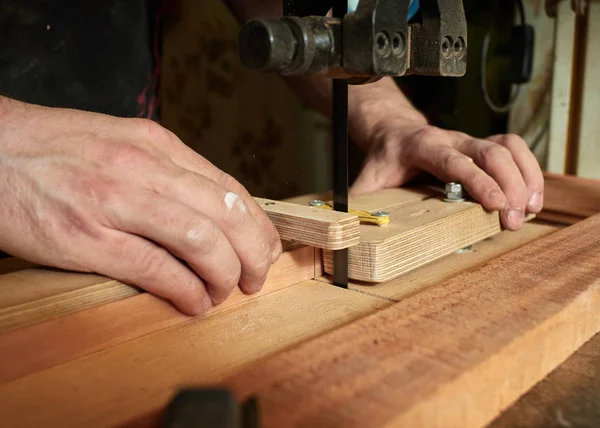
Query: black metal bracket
[(361, 47)]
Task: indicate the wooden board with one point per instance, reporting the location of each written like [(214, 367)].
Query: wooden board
[(32, 296), (570, 196), (454, 355), (418, 233), (113, 386), (311, 226)]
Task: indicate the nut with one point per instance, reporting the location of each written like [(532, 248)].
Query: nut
[(454, 192)]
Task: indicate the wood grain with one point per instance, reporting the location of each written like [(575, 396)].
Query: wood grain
[(32, 296), (454, 355), (123, 382), (418, 233), (311, 226), (43, 345)]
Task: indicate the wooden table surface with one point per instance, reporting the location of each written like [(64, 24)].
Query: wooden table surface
[(133, 375)]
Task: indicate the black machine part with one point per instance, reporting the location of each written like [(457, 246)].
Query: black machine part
[(374, 41), (210, 408)]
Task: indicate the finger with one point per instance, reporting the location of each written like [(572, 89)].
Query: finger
[(185, 233), (133, 260), (529, 167), (448, 164), (190, 160), (230, 213), (498, 162)]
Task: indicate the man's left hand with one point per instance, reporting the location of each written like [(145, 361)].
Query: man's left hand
[(500, 172)]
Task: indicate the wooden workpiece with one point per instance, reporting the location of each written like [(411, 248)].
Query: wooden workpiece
[(458, 338), (454, 355)]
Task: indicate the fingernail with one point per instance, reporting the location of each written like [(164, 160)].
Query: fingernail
[(515, 219), (535, 202)]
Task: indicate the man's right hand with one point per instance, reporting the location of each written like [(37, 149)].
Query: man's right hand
[(127, 199)]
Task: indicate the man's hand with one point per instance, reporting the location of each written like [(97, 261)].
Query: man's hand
[(127, 199), (500, 172)]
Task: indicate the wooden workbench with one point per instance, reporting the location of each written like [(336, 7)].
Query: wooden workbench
[(71, 359)]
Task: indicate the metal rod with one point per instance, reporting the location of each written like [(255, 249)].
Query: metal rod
[(340, 157)]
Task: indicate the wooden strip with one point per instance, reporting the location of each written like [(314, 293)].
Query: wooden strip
[(559, 218), (311, 226), (25, 286), (113, 386), (32, 296), (45, 345), (454, 355), (570, 195), (588, 159), (562, 85), (456, 263), (54, 306), (418, 233)]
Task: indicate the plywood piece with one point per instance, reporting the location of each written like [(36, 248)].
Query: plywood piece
[(418, 233), (43, 345), (456, 263), (454, 355), (111, 387), (312, 226), (32, 296)]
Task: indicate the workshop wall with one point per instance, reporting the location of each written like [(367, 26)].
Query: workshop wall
[(248, 124)]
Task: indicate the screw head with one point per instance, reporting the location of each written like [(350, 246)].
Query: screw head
[(316, 203), (453, 192), (381, 214), (270, 203)]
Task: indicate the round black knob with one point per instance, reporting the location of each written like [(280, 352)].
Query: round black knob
[(266, 45)]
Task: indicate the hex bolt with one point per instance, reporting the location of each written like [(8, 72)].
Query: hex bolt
[(453, 192), (316, 203)]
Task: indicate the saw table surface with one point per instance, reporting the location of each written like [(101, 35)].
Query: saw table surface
[(83, 350)]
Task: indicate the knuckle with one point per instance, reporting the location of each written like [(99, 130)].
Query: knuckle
[(200, 236), (495, 152), (229, 182), (147, 263), (452, 160), (150, 130)]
